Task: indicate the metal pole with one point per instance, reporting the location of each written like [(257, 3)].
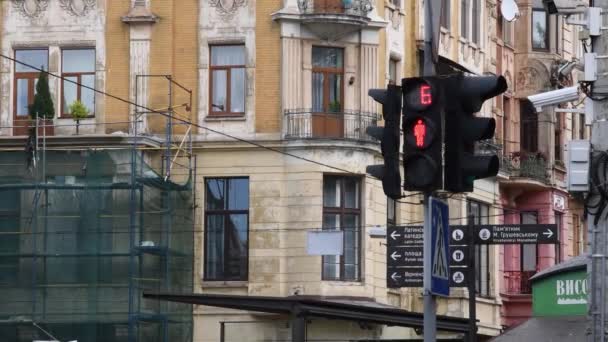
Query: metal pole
[(298, 327), (429, 66), (472, 280), (598, 233), (430, 309)]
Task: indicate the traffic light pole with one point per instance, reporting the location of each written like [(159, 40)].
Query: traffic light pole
[(598, 234), (430, 306), (472, 281)]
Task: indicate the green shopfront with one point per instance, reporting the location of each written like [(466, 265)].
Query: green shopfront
[(561, 294)]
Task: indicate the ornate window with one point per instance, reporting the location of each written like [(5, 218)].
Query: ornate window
[(78, 65), (327, 79), (26, 78), (227, 80)]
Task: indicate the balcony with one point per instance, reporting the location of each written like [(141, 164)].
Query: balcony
[(518, 282), (344, 125), (330, 19), (524, 169)]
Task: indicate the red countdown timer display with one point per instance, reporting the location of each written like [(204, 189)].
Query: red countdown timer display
[(419, 95)]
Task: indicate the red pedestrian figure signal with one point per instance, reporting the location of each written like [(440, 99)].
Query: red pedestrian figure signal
[(419, 132), (425, 95)]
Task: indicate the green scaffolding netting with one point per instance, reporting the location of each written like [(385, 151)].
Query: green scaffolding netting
[(82, 235)]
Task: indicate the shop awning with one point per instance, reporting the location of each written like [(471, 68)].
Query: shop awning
[(547, 329), (302, 307)]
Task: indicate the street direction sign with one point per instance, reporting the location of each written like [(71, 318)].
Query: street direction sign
[(404, 235), (405, 261), (458, 255), (440, 248), (458, 277), (495, 234), (517, 234)]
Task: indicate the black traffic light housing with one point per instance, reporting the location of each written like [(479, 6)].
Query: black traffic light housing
[(423, 106), (389, 172), (463, 129)]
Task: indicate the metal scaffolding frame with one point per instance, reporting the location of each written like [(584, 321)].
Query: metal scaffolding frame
[(85, 231)]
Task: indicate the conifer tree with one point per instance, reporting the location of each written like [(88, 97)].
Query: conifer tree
[(42, 107)]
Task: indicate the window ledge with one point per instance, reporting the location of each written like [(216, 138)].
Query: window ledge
[(71, 118), (225, 118), (343, 283), (219, 283)]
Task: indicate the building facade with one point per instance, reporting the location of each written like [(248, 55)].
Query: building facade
[(268, 108)]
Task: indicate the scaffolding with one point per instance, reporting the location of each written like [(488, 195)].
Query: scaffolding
[(84, 232)]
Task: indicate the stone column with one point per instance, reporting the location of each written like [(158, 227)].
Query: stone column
[(140, 20)]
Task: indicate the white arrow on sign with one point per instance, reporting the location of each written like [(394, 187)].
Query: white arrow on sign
[(394, 235), (395, 256), (548, 233), (395, 276)]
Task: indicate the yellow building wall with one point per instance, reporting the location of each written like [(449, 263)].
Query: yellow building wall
[(173, 51), (268, 68), (117, 65)]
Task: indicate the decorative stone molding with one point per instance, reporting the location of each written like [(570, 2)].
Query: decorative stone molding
[(30, 8), (227, 8), (77, 7)]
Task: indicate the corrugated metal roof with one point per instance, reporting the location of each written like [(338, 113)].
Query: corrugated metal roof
[(578, 262), (547, 329)]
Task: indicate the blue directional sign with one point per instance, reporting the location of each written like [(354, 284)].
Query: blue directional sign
[(440, 248)]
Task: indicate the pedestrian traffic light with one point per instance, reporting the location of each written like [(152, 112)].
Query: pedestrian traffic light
[(389, 172), (423, 104), (463, 129)]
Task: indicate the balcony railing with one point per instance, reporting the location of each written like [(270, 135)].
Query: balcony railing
[(524, 164), (348, 125), (355, 8), (518, 282)]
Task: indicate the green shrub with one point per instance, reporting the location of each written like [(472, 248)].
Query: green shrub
[(78, 110)]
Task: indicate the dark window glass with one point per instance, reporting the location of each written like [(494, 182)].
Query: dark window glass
[(507, 32), (445, 14), (558, 136), (392, 71), (529, 257), (226, 228), (558, 251), (528, 128), (476, 20), (78, 65), (227, 80), (391, 212), (581, 126), (480, 212), (341, 211), (464, 18), (540, 35), (10, 241)]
